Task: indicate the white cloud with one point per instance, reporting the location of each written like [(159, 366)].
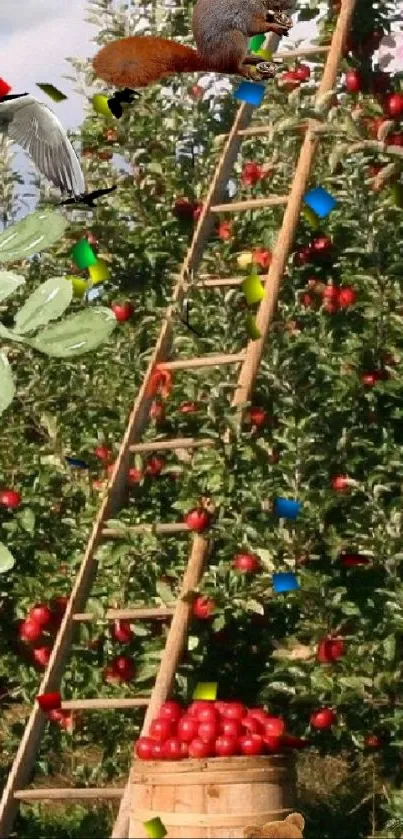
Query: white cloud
[(26, 14)]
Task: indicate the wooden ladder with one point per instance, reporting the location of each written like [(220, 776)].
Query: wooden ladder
[(249, 360)]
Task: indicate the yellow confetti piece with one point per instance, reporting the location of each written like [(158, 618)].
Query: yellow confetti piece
[(99, 272), (155, 829), (253, 289), (80, 286), (265, 54), (100, 105), (251, 328), (311, 217), (205, 690)]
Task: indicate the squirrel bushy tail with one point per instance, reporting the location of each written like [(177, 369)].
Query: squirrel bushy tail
[(141, 60)]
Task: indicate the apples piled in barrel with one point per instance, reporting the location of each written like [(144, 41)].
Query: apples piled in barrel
[(216, 728)]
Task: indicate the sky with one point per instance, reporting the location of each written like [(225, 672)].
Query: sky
[(36, 37)]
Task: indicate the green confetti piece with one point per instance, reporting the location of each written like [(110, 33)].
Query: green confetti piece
[(52, 91), (253, 289), (397, 192), (251, 328), (205, 690), (256, 42), (155, 829), (83, 255)]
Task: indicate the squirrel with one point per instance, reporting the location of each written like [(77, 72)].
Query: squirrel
[(221, 29)]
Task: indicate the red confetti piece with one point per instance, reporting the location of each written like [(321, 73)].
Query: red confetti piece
[(160, 382), (49, 701), (4, 87)]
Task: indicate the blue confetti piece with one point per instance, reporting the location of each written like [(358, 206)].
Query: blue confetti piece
[(284, 581), (76, 463), (250, 92), (284, 508), (320, 201), (93, 292)]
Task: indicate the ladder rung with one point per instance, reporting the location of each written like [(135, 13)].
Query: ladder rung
[(151, 613), (116, 533), (250, 204), (299, 53), (205, 361), (177, 443), (104, 704), (68, 793)]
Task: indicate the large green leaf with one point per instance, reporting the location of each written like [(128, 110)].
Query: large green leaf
[(33, 234), (7, 560), (7, 387), (47, 302), (77, 334), (9, 282)]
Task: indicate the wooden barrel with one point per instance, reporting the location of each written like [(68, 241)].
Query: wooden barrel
[(210, 799)]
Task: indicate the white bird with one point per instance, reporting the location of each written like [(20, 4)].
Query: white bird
[(35, 127)]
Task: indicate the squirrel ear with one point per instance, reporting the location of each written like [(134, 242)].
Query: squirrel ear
[(297, 819)]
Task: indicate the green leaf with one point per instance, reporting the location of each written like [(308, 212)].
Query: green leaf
[(26, 519), (7, 386), (95, 607), (7, 560), (255, 606), (10, 335), (164, 592), (266, 557), (77, 334), (9, 282), (33, 234), (48, 302)]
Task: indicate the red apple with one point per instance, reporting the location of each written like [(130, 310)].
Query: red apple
[(199, 749), (124, 667), (161, 729), (183, 209), (187, 728), (340, 483), (154, 466), (172, 749), (41, 614), (122, 311), (103, 453), (246, 563), (251, 744), (347, 296), (188, 408), (234, 711), (354, 81), (144, 748), (274, 727), (157, 751), (203, 608), (224, 230), (226, 746), (110, 675), (322, 719), (330, 649), (29, 630), (373, 741), (208, 731), (394, 105), (231, 728), (121, 632), (257, 416), (302, 73), (41, 655), (134, 476), (10, 498), (251, 174), (197, 520), (171, 710), (262, 257)]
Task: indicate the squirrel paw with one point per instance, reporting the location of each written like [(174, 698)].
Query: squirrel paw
[(266, 70), (279, 18)]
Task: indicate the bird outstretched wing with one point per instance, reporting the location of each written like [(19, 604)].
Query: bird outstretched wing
[(35, 127)]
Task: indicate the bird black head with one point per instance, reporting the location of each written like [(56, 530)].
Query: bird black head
[(12, 96)]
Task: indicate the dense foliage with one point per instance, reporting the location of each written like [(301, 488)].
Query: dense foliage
[(329, 387)]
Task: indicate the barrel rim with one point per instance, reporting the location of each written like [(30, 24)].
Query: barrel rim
[(200, 764)]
